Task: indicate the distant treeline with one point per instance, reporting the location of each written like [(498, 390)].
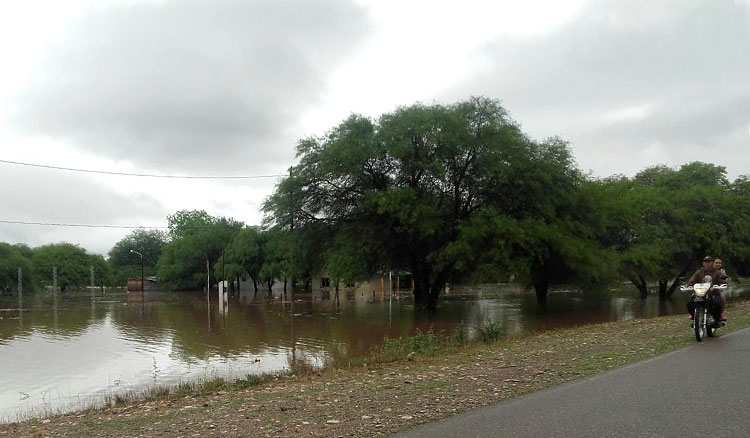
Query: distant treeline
[(454, 193), (72, 262)]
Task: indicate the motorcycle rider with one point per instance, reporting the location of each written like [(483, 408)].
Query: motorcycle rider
[(707, 269), (719, 267)]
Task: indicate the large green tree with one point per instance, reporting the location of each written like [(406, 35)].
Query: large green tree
[(279, 254), (398, 192), (245, 255), (671, 219), (72, 263), (195, 240), (739, 226), (103, 275), (13, 257), (557, 237), (126, 263)]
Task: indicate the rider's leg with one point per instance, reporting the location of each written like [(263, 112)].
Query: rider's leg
[(691, 307)]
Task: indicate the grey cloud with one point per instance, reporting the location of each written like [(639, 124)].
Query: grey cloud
[(190, 85), (684, 62)]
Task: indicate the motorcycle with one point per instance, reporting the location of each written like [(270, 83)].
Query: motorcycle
[(704, 322)]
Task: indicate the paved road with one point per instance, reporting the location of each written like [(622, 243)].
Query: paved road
[(660, 397)]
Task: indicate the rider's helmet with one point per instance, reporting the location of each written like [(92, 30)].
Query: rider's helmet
[(708, 259)]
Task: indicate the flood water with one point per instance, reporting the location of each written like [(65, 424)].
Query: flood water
[(69, 350)]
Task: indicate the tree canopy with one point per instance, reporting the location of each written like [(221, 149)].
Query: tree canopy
[(195, 239), (127, 264), (73, 265), (673, 218), (407, 191), (13, 257)]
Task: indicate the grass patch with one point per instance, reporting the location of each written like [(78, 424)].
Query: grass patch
[(183, 389), (247, 382), (489, 332), (460, 334)]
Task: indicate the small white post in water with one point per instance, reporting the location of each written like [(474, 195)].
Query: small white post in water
[(223, 297), (390, 283)]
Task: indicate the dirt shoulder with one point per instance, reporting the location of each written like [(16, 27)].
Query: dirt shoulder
[(391, 397)]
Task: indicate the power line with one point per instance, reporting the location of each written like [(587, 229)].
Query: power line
[(60, 224), (128, 227), (147, 175)]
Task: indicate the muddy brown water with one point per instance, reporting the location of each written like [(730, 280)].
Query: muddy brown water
[(66, 351)]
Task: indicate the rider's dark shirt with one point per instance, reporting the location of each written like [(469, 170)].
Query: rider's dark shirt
[(700, 273)]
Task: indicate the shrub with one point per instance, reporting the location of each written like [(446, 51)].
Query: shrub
[(460, 335), (489, 332)]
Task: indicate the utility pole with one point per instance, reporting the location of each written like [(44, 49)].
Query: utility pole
[(143, 286), (20, 289), (208, 294), (291, 227), (54, 297)]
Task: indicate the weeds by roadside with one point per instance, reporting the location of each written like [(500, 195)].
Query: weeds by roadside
[(489, 332)]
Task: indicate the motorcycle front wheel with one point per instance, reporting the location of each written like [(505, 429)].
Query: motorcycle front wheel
[(700, 324)]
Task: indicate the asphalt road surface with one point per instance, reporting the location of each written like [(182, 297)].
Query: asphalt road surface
[(699, 391)]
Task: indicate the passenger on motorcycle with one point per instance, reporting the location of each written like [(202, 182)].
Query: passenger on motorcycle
[(717, 299), (719, 267)]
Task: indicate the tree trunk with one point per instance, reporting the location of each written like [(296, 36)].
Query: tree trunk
[(541, 280), (421, 294), (541, 290), (421, 277), (436, 288), (662, 289), (434, 294), (676, 281), (641, 285)]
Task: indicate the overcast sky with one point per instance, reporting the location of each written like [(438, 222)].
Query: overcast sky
[(227, 87)]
